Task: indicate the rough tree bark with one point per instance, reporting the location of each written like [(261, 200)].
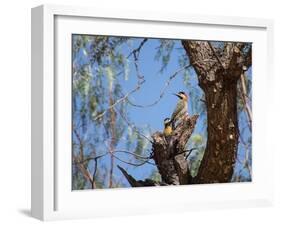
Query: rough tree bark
[(218, 71), (169, 154)]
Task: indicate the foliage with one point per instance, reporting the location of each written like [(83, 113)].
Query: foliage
[(95, 85), (163, 52), (198, 142), (156, 176)]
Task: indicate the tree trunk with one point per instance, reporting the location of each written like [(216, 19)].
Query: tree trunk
[(220, 153), (218, 71)]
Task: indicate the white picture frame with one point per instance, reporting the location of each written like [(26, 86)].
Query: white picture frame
[(52, 197)]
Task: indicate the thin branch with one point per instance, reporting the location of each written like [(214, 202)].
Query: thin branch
[(94, 175), (185, 151), (244, 98), (245, 163), (137, 50), (85, 172), (241, 138), (133, 126), (204, 101), (102, 155), (139, 76), (139, 84), (119, 100), (81, 151), (133, 164), (136, 155), (125, 97), (190, 151), (132, 181), (90, 158), (163, 89)]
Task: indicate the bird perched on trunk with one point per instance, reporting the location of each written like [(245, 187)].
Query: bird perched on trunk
[(167, 127), (181, 108)]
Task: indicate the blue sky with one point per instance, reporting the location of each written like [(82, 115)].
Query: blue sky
[(151, 89)]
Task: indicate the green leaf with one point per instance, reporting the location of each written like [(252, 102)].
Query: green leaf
[(197, 139), (156, 176), (82, 84), (110, 77), (140, 145), (93, 104), (195, 161), (84, 52), (186, 77), (164, 52), (126, 69)]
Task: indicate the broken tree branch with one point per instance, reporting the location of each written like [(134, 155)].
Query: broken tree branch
[(169, 154), (139, 183)]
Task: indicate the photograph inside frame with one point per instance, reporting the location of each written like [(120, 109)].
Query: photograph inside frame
[(160, 112)]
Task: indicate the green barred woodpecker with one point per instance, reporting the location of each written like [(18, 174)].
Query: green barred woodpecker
[(167, 127), (181, 108)]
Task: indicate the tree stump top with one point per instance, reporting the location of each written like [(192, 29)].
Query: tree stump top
[(169, 152)]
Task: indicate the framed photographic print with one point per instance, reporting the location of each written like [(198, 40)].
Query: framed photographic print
[(137, 112)]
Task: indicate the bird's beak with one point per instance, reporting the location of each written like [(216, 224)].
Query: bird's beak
[(176, 95)]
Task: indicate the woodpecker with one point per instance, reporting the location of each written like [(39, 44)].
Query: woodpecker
[(167, 127), (181, 108)]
